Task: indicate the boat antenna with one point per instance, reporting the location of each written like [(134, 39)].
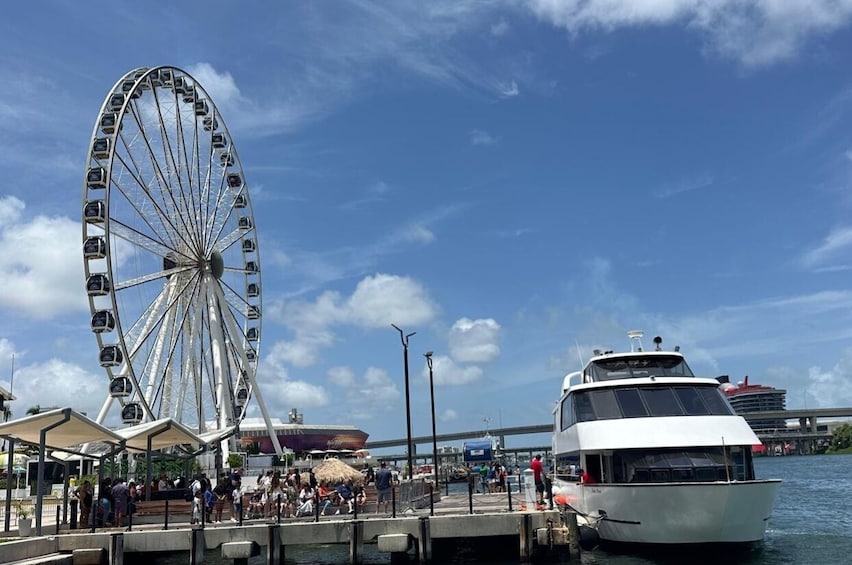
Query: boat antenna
[(580, 355)]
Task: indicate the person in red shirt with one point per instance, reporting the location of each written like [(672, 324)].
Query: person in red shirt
[(586, 478), (538, 478)]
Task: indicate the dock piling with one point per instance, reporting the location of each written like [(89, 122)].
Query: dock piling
[(424, 541), (356, 541), (166, 516), (196, 546), (525, 536), (116, 549), (573, 534), (274, 549)]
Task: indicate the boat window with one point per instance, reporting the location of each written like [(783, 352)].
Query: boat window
[(679, 465), (691, 401), (715, 401), (631, 403), (640, 366), (640, 402), (605, 405), (583, 407), (567, 414), (662, 402)]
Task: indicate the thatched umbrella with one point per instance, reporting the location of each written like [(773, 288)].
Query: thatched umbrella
[(336, 471)]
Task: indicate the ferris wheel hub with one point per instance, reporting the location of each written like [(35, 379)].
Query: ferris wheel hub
[(217, 265)]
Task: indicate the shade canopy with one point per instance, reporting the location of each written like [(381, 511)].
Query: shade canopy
[(215, 436), (63, 427), (336, 471), (163, 433)]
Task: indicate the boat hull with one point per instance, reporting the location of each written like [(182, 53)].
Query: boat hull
[(675, 513)]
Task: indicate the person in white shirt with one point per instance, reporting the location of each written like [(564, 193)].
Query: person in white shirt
[(306, 501)]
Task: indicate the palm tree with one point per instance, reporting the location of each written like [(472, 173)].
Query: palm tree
[(34, 409)]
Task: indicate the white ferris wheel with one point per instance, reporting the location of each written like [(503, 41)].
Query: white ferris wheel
[(171, 256)]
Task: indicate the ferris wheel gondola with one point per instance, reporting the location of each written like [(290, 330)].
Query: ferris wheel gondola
[(171, 255)]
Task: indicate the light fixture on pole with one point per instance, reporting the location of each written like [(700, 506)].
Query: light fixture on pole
[(428, 356), (404, 338)]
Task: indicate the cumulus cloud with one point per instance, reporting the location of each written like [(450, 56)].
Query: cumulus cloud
[(363, 398), (377, 302), (220, 86), (756, 32), (41, 260), (57, 383), (282, 392), (833, 386), (474, 341), (448, 415), (445, 371), (381, 300)]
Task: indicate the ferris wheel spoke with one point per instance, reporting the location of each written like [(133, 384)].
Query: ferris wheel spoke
[(142, 203), (234, 236), (166, 193), (139, 239), (153, 276), (172, 163)]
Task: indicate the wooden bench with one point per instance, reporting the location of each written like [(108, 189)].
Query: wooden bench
[(158, 507)]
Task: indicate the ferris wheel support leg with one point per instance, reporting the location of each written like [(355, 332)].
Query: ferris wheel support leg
[(255, 389), (215, 305), (104, 409)]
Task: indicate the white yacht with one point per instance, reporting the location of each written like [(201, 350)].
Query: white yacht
[(666, 458)]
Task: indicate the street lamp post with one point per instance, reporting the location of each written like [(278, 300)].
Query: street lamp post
[(428, 356), (404, 338)]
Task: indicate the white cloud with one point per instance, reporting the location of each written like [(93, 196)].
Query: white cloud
[(220, 86), (756, 32), (381, 300), (280, 392), (474, 341), (448, 415), (57, 383), (41, 265), (377, 302), (445, 371), (832, 387), (508, 90), (479, 137), (366, 397), (343, 377), (838, 240), (419, 234)]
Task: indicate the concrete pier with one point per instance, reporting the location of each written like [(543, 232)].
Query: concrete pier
[(419, 531)]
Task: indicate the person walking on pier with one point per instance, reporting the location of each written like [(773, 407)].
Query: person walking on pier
[(84, 494), (538, 479), (384, 486)]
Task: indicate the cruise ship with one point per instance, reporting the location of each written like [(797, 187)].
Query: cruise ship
[(300, 437), (745, 397), (648, 453)]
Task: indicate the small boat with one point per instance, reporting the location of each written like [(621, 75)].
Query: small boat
[(649, 453)]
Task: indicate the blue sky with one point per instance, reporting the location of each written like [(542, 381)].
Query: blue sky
[(511, 180)]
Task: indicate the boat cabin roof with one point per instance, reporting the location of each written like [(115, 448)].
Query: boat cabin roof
[(631, 365)]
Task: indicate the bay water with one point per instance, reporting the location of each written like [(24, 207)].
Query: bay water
[(811, 523)]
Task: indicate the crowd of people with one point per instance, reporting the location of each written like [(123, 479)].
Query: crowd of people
[(276, 493)]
